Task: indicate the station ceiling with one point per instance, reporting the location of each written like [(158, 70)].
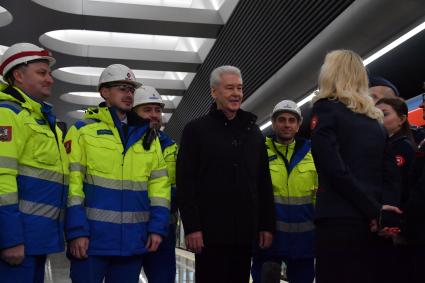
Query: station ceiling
[(173, 45)]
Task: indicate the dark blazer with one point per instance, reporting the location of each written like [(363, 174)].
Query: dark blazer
[(414, 209), (223, 179), (404, 151), (357, 171)]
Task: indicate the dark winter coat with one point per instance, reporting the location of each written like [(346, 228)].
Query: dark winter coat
[(357, 171), (224, 181)]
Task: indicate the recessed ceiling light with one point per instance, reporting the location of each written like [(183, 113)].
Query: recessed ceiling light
[(127, 40), (85, 94), (168, 97), (140, 74), (196, 4), (3, 49), (5, 17)]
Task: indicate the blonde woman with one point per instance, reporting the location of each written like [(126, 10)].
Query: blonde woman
[(349, 149)]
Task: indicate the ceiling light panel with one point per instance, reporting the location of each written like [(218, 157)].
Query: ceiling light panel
[(3, 49), (89, 76), (167, 3), (195, 4), (128, 40), (76, 114), (196, 11), (140, 74), (5, 17), (82, 98), (156, 48)]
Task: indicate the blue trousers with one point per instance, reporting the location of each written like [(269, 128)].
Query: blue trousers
[(31, 270), (297, 270), (160, 266), (114, 269)]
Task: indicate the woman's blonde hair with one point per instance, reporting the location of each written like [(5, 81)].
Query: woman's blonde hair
[(343, 77)]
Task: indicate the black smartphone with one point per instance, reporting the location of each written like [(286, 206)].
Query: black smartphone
[(390, 219)]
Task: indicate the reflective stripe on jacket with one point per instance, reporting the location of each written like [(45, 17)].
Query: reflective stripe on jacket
[(169, 150), (33, 174), (294, 186), (118, 194)]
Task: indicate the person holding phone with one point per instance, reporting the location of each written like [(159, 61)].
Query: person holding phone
[(357, 173)]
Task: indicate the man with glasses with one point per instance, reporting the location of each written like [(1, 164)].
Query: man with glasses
[(118, 203)]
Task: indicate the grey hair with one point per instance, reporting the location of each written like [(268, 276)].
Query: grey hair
[(216, 74)]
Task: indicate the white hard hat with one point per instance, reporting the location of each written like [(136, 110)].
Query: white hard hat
[(146, 95), (22, 53), (287, 106), (118, 73)]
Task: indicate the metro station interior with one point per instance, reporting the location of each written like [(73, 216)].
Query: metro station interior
[(173, 45)]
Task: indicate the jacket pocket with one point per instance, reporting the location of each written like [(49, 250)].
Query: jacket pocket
[(279, 178), (306, 167), (141, 161), (102, 154), (306, 179), (43, 143)]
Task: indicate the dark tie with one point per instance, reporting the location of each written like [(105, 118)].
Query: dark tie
[(124, 127)]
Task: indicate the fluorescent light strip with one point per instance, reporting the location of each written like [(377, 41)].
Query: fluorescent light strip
[(306, 99), (266, 125), (394, 44), (366, 62)]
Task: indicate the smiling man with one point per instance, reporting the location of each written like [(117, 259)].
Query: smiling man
[(33, 166), (224, 189), (295, 181), (118, 204), (160, 266)]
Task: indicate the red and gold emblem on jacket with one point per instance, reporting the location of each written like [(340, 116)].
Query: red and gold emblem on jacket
[(313, 122), (67, 145), (5, 133), (400, 161)]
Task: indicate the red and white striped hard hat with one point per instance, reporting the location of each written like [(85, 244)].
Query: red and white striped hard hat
[(22, 53)]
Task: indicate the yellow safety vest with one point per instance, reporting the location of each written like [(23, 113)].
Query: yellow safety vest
[(33, 174), (118, 193)]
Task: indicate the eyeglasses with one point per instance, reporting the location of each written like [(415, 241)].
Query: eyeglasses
[(124, 88)]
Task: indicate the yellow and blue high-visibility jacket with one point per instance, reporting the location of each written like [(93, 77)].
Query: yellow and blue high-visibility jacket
[(119, 191), (33, 174), (295, 182), (169, 150)]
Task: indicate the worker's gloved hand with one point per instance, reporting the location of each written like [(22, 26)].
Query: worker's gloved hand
[(149, 137)]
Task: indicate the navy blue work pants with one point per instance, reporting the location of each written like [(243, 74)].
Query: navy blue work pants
[(160, 266), (114, 269), (31, 270)]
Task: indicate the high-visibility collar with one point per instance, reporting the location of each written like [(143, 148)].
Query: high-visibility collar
[(29, 103), (100, 113)]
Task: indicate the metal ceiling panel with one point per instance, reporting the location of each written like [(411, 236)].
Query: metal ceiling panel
[(259, 38)]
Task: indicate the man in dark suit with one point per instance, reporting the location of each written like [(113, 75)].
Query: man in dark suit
[(225, 195)]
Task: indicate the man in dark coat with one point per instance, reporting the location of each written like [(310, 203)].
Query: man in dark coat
[(225, 194)]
